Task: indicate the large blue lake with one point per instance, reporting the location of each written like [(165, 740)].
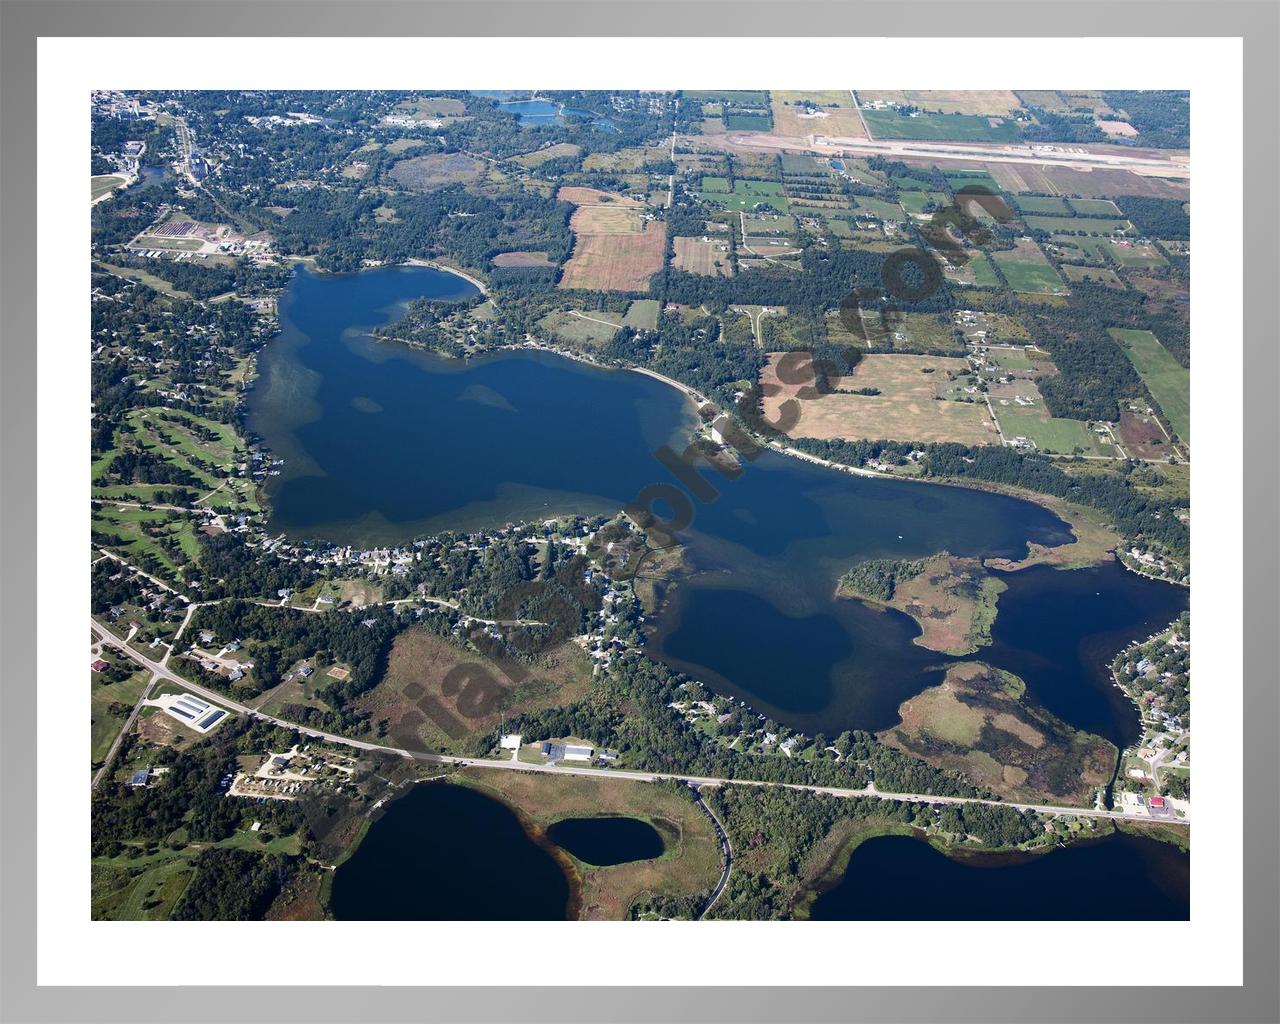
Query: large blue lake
[(384, 443)]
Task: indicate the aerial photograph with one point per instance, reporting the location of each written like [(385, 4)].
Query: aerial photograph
[(543, 505)]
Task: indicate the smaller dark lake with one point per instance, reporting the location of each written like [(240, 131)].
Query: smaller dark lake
[(1120, 878), (445, 852), (605, 841)]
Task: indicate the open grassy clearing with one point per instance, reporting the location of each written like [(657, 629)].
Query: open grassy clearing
[(157, 541), (907, 407), (1052, 434), (101, 184), (630, 159), (880, 209), (642, 315), (615, 262), (1086, 225), (984, 102), (979, 722), (1142, 255), (689, 866), (798, 114), (952, 600), (1051, 205), (568, 328), (746, 194), (1094, 207), (555, 152), (105, 726), (435, 170), (522, 259), (708, 256), (1028, 271), (414, 680), (1168, 380), (1097, 275), (890, 124), (917, 202)]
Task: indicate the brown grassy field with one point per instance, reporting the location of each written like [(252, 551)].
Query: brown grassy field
[(953, 601), (435, 170), (629, 159), (1099, 275), (615, 262), (415, 674), (522, 259), (689, 866), (541, 156), (1104, 182), (987, 102), (708, 257), (907, 408), (579, 195), (615, 248), (978, 722), (836, 115)]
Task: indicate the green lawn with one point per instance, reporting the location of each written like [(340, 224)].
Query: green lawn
[(1168, 380)]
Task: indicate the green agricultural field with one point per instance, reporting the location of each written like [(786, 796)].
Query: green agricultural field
[(1027, 271), (915, 202), (1053, 435), (960, 179), (1089, 248), (1168, 380), (104, 726), (101, 184), (1141, 255), (984, 275), (748, 121), (574, 329), (1042, 204), (880, 209), (643, 313), (733, 97), (1094, 207), (1089, 225), (889, 124), (1097, 275), (746, 195)]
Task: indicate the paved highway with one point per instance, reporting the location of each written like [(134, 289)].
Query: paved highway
[(697, 781)]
